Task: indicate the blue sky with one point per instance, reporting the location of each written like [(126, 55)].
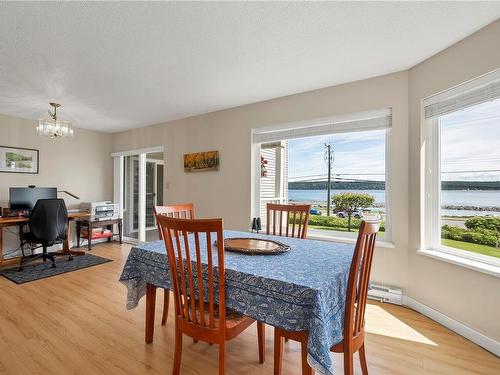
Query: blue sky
[(470, 142), (360, 152)]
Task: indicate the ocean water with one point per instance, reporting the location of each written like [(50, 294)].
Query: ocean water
[(478, 198)]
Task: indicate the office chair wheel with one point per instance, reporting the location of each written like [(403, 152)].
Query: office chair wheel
[(53, 265), (19, 269), (70, 257)]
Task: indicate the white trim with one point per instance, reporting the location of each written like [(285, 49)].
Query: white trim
[(388, 186), (431, 177), (255, 180), (476, 337), (118, 183), (467, 262), (492, 261), (142, 197), (146, 150)]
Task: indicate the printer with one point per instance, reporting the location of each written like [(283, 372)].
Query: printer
[(105, 210)]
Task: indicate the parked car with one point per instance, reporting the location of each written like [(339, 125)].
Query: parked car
[(355, 214), (315, 211)]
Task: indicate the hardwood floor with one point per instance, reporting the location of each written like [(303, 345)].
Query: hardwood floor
[(76, 323)]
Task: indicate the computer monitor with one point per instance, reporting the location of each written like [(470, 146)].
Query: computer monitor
[(25, 198)]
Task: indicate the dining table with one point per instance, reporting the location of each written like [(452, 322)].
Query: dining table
[(302, 289)]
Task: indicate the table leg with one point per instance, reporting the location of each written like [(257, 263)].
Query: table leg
[(120, 230), (150, 312), (67, 239), (5, 262), (66, 250), (89, 236), (78, 234)]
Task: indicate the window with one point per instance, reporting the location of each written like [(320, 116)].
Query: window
[(293, 168), (462, 171)]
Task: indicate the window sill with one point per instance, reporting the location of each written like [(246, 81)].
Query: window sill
[(475, 265), (380, 244)]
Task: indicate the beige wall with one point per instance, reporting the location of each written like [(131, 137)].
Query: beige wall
[(468, 296), (227, 193), (81, 165), (462, 294)]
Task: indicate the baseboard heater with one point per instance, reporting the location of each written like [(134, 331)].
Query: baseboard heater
[(384, 293)]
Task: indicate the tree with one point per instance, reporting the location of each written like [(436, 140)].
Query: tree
[(350, 202)]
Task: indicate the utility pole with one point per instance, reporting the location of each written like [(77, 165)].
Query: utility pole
[(329, 161)]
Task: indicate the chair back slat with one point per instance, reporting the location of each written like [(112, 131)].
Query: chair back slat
[(201, 289), (297, 217), (195, 286), (211, 292), (192, 289), (179, 211), (359, 277)]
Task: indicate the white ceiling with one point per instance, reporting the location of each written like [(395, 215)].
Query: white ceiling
[(119, 66)]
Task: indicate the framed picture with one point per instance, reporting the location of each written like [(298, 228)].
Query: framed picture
[(201, 161), (18, 160)]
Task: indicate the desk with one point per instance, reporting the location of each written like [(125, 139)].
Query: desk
[(91, 224), (302, 289), (16, 221)]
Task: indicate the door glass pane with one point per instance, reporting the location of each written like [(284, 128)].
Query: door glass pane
[(154, 191), (150, 193), (131, 193), (159, 184)]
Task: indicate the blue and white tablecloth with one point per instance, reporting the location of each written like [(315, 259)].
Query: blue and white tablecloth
[(302, 289)]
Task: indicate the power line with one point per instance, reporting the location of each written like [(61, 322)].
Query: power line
[(383, 174), (477, 171)]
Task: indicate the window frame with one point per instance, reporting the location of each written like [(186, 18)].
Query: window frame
[(430, 199), (387, 241)]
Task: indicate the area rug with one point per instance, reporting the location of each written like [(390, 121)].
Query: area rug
[(41, 270)]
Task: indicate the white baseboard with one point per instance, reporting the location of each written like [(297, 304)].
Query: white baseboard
[(478, 338)]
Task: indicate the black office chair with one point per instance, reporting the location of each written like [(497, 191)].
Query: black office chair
[(47, 224)]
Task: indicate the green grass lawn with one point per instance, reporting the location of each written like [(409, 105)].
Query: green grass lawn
[(475, 248)]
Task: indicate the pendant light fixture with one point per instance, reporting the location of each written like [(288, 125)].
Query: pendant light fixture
[(53, 127)]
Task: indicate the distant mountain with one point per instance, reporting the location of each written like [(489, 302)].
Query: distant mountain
[(470, 185), (380, 185), (322, 185)]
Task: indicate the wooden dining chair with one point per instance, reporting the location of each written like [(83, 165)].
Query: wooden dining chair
[(297, 217), (186, 211), (198, 313), (354, 318)]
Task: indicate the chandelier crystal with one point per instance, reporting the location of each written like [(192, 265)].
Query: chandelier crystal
[(53, 127)]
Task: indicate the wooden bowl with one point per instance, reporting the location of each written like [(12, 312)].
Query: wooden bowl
[(255, 246)]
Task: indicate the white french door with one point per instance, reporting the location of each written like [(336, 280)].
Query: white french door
[(138, 187)]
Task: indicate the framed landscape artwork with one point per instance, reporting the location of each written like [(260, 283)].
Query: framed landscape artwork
[(201, 161), (18, 160)]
